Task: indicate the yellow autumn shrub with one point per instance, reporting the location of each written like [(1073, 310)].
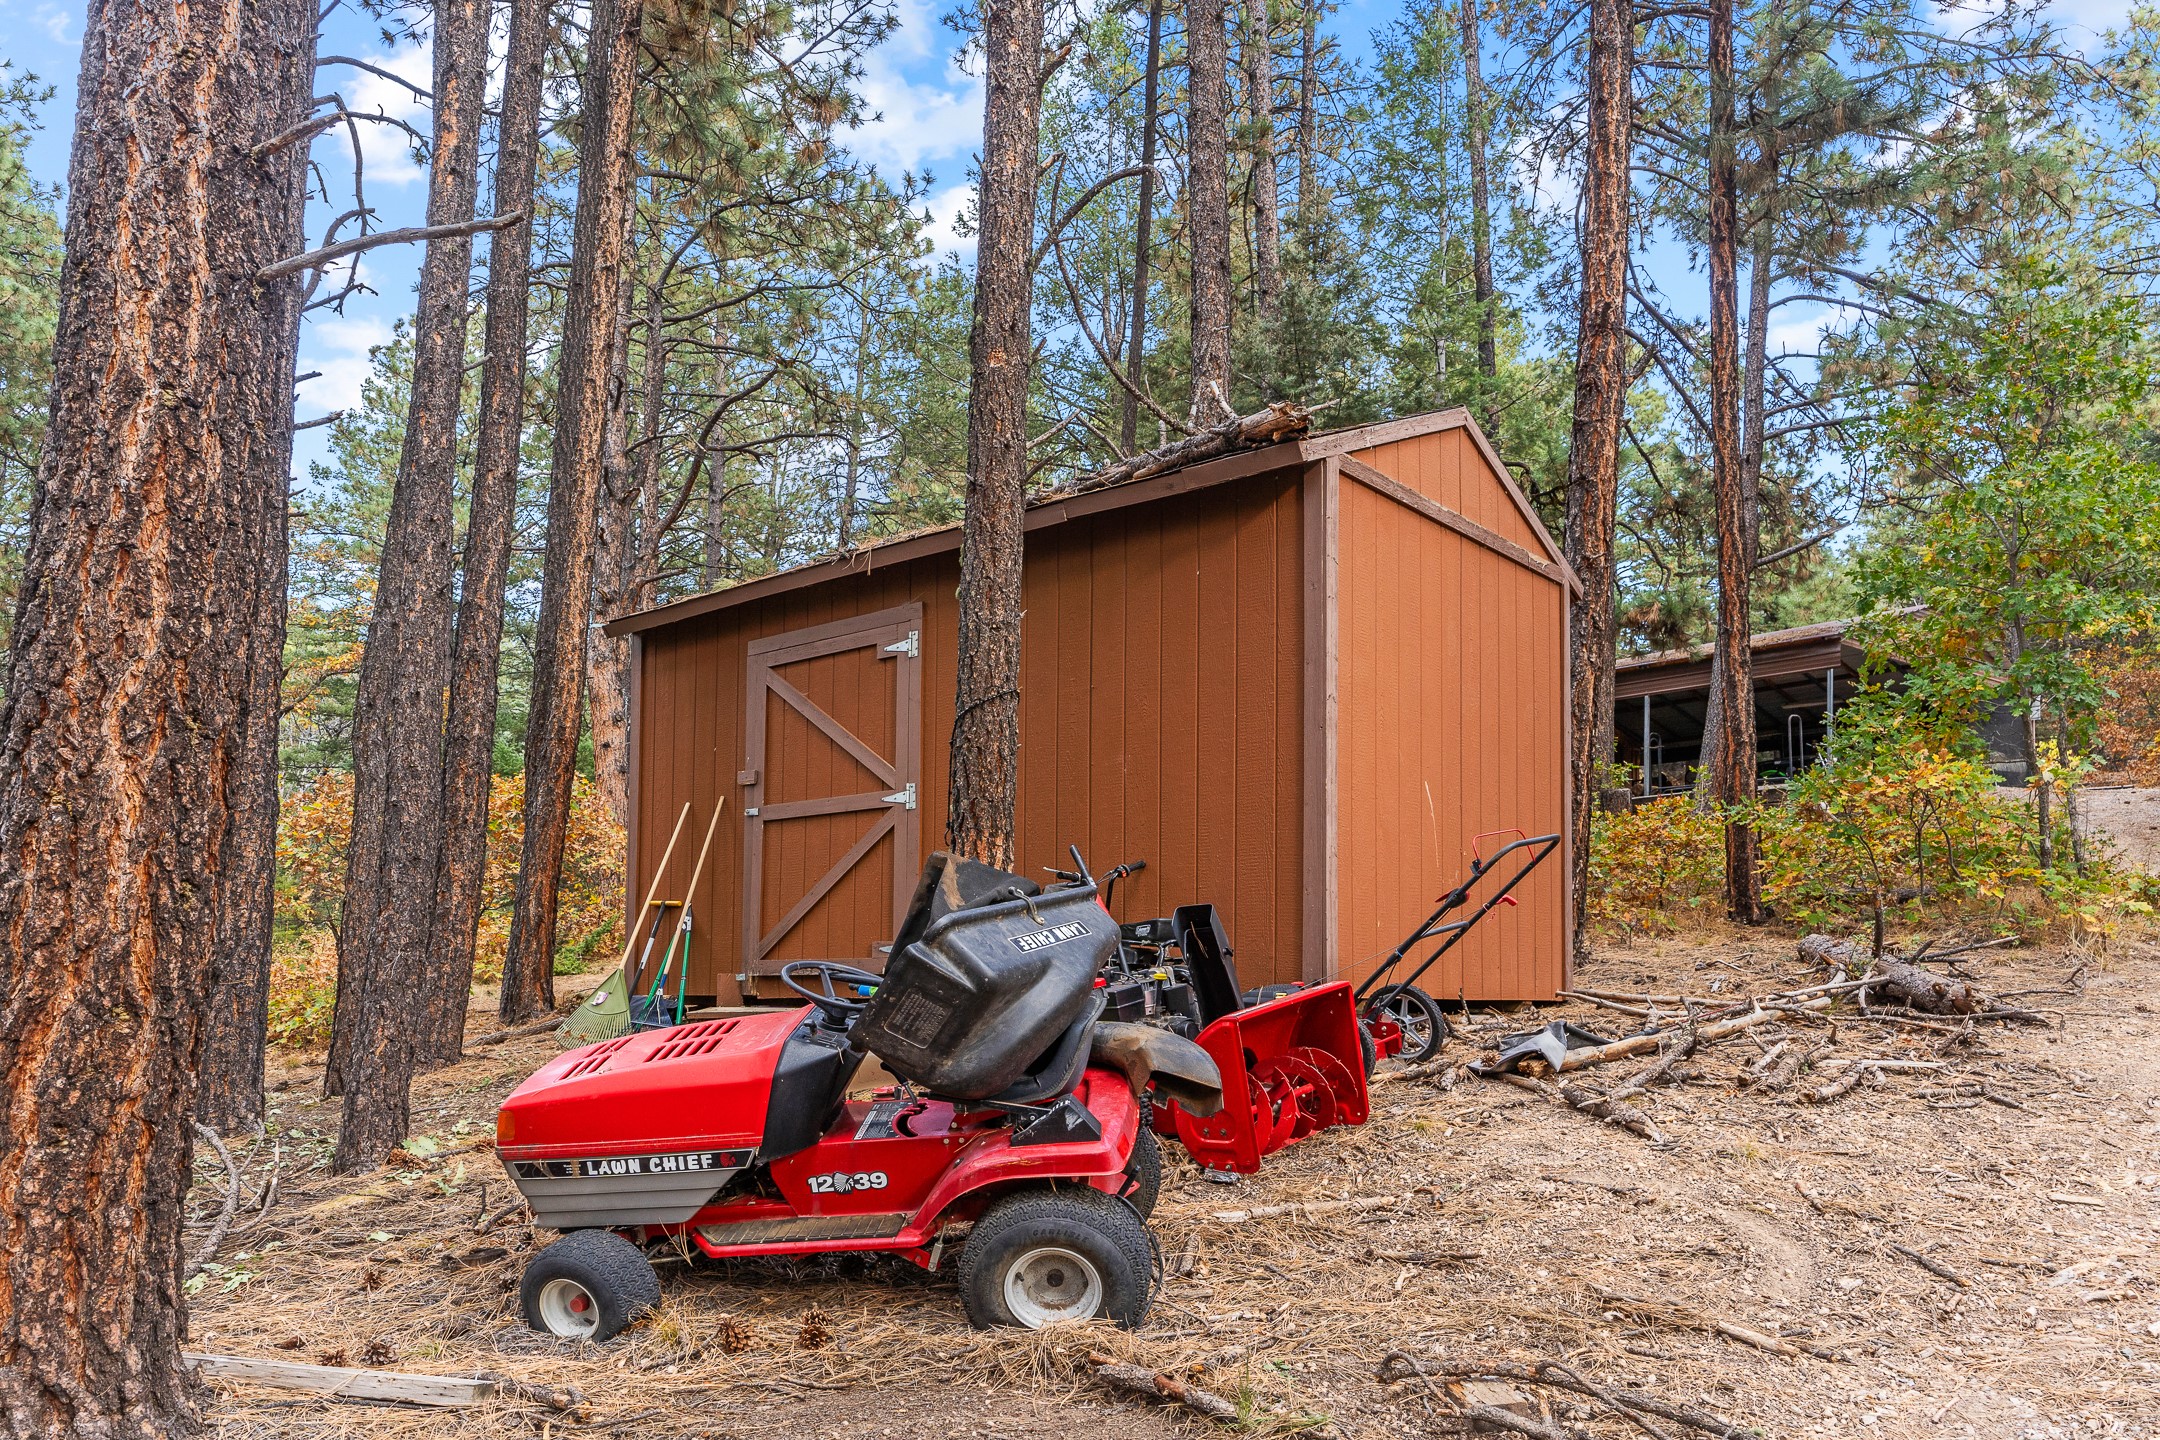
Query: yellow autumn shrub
[(314, 829)]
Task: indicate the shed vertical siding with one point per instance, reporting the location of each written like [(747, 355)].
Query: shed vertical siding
[(1447, 467), (1160, 720), (1451, 721)]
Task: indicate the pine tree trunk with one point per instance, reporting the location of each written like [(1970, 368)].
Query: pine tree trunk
[(615, 563), (1255, 50), (393, 863), (598, 259), (1600, 403), (1478, 135), (1308, 196), (1207, 207), (133, 690), (1732, 767), (1143, 238), (490, 527), (985, 755), (236, 1025)]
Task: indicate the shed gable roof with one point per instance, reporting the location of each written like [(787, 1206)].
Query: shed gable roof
[(1055, 507)]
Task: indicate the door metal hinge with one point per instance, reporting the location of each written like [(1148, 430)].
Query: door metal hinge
[(903, 797), (749, 811), (910, 647)]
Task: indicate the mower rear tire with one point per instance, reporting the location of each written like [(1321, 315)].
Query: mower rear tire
[(1040, 1257), (588, 1286), (1144, 1170)]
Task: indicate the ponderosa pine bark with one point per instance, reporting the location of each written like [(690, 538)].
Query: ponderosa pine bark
[(624, 475), (236, 1026), (490, 526), (1478, 135), (392, 866), (1256, 52), (1732, 766), (1143, 228), (1601, 380), (1207, 207), (599, 260), (126, 732), (985, 757)]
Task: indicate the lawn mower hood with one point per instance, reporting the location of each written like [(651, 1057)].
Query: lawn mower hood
[(646, 1128)]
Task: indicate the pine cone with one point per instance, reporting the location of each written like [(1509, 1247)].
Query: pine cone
[(378, 1351), (371, 1278), (736, 1335), (333, 1358), (816, 1331)]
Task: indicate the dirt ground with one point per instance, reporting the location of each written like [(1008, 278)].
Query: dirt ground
[(1523, 1231), (2128, 819)]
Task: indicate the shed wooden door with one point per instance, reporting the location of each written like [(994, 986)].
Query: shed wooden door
[(831, 783)]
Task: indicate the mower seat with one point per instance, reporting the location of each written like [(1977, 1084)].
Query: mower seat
[(1057, 1070)]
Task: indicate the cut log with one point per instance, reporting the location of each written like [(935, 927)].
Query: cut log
[(1825, 951), (382, 1386), (1282, 420), (1924, 990)]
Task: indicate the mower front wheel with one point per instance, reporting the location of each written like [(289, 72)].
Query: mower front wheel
[(1041, 1257), (588, 1286)]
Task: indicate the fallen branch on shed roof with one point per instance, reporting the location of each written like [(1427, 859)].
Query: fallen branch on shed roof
[(1283, 420)]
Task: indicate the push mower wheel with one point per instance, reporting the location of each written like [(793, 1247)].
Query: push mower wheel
[(1040, 1257), (1368, 1051), (588, 1286), (1424, 1028), (1144, 1169)]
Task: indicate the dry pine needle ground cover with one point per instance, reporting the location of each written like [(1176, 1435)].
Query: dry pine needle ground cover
[(1966, 1251)]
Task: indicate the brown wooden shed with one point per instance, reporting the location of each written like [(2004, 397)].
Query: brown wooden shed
[(1296, 680)]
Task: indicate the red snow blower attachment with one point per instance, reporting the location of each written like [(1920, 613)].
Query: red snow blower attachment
[(1292, 1057), (1018, 1129)]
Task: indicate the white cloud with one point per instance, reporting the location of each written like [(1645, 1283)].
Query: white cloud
[(1799, 330), (927, 110), (385, 150), (946, 207), (54, 20), (338, 345)]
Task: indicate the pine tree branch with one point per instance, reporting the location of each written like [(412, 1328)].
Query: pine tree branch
[(316, 259)]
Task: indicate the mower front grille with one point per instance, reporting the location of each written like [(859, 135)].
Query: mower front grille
[(805, 1227), (693, 1040), (597, 1060)]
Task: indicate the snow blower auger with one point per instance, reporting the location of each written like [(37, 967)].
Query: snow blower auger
[(1294, 1058), (1019, 1123), (1402, 1019)]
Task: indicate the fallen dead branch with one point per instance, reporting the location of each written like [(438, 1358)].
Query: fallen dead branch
[(1686, 1317), (1933, 1267), (1313, 1210), (1705, 1033), (1139, 1380), (210, 1244), (1282, 420), (1971, 1090), (1628, 1404), (1598, 1107), (497, 1037), (1842, 1086)]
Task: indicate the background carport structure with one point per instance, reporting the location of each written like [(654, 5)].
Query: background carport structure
[(1660, 700), (1297, 680)]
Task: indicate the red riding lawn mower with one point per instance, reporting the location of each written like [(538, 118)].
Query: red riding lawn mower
[(1019, 1127)]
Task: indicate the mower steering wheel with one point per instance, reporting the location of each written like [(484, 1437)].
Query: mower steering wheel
[(826, 973)]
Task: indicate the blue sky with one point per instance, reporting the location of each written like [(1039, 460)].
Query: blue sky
[(928, 118)]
